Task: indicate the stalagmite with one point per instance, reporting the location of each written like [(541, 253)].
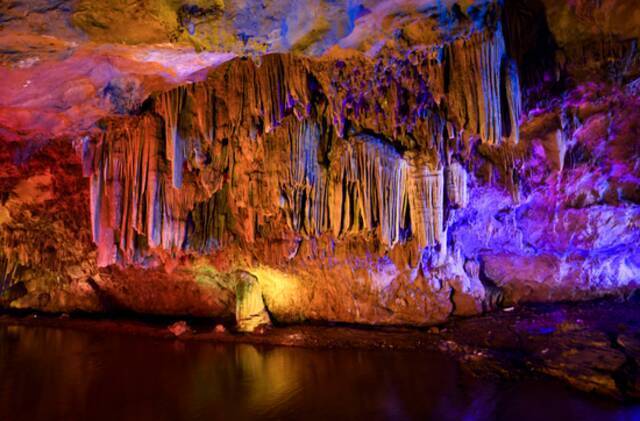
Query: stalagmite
[(251, 312), (555, 147)]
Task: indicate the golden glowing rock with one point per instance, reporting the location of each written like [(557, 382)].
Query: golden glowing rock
[(251, 311)]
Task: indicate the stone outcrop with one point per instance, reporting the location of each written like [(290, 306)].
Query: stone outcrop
[(251, 312)]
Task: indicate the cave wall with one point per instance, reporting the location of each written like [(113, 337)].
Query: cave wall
[(496, 163)]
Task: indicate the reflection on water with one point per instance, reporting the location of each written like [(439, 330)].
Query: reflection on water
[(60, 374)]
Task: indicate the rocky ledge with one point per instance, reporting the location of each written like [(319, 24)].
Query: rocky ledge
[(591, 346)]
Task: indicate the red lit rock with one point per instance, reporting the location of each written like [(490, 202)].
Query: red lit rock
[(179, 328)]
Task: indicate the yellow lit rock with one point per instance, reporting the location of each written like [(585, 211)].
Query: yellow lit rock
[(283, 293), (251, 311)]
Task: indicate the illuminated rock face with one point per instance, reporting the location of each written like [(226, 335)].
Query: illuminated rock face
[(404, 185), (344, 148), (251, 313)]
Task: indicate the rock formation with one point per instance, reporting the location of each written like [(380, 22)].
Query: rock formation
[(461, 155), (251, 312)]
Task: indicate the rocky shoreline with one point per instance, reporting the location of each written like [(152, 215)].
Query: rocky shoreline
[(591, 346)]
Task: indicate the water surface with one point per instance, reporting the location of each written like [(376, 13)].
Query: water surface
[(64, 374)]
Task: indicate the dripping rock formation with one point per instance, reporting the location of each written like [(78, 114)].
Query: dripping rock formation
[(414, 161)]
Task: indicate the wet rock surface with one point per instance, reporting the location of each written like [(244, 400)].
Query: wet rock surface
[(179, 328), (590, 346)]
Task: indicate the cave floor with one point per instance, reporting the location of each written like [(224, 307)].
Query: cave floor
[(592, 346)]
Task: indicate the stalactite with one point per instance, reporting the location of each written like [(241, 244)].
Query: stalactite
[(456, 181), (136, 203), (426, 201), (8, 271), (390, 97), (305, 189), (469, 81), (478, 83), (132, 197), (368, 190), (513, 102), (248, 99), (296, 145), (207, 223), (363, 190), (169, 105)]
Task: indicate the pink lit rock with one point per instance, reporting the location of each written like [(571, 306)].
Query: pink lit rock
[(179, 328)]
